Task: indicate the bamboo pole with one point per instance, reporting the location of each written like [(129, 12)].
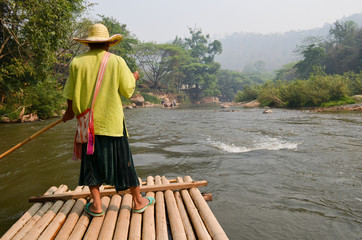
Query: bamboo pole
[(51, 231), (80, 227), (39, 227), (161, 224), (96, 224), (177, 229), (30, 138), (110, 220), (184, 217), (148, 230), (26, 217), (143, 183), (122, 226), (109, 192), (31, 223), (135, 227), (72, 218), (206, 214), (194, 215)]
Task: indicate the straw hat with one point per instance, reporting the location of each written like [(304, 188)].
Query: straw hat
[(98, 33)]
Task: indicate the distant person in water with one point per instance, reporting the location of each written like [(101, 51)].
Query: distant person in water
[(111, 163)]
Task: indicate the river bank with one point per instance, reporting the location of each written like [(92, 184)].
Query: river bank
[(174, 100), (357, 107)]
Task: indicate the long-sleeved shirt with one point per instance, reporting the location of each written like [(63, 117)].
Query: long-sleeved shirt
[(118, 80)]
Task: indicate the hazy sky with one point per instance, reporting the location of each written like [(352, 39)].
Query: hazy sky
[(162, 20)]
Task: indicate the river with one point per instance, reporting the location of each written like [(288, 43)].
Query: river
[(286, 175)]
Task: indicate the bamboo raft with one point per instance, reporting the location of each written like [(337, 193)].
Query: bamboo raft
[(180, 212)]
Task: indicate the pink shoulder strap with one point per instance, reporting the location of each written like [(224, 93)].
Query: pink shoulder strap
[(101, 71)]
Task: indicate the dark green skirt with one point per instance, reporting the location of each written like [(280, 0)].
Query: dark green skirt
[(111, 164)]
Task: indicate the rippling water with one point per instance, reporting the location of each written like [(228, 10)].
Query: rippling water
[(286, 175)]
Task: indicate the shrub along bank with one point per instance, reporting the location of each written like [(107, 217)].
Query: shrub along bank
[(319, 90)]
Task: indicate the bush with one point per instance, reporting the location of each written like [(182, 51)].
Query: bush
[(313, 92), (44, 98), (270, 95), (343, 101), (11, 111), (249, 93), (354, 82), (151, 98)]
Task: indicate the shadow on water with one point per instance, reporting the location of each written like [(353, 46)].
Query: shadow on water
[(286, 175)]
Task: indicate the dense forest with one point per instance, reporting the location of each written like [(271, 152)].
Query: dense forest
[(36, 48)]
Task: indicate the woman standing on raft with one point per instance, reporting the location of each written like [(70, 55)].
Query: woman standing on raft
[(111, 162)]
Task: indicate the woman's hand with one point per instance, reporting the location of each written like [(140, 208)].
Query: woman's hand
[(136, 75), (69, 114)]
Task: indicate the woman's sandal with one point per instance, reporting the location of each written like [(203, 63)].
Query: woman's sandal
[(152, 201), (86, 208)]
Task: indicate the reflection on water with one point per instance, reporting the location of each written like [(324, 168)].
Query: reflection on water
[(286, 175)]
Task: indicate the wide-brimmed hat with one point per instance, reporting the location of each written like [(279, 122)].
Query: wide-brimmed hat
[(98, 33)]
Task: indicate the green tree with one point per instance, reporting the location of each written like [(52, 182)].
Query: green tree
[(230, 82), (344, 33), (200, 73), (343, 50), (313, 57), (33, 33), (287, 73), (159, 62)]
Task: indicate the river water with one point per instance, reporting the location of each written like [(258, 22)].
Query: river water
[(286, 175)]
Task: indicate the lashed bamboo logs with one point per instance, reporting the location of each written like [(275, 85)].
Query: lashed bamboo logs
[(96, 224), (148, 230), (26, 217), (194, 215), (177, 228), (110, 220), (33, 221), (206, 214), (161, 224), (72, 219), (188, 213), (82, 224), (135, 226), (184, 217), (109, 192), (39, 227), (53, 228), (122, 226), (142, 183)]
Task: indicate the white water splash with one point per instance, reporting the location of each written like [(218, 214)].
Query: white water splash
[(265, 143), (358, 199)]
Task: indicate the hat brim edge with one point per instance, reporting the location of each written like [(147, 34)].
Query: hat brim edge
[(115, 39)]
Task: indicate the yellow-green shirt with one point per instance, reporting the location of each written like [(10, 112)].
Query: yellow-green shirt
[(118, 80)]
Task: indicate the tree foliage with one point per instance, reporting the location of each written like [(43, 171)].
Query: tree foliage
[(230, 82), (158, 62), (200, 72), (341, 53), (186, 64), (33, 34), (313, 57)]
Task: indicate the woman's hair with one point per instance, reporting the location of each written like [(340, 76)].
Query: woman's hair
[(98, 45)]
